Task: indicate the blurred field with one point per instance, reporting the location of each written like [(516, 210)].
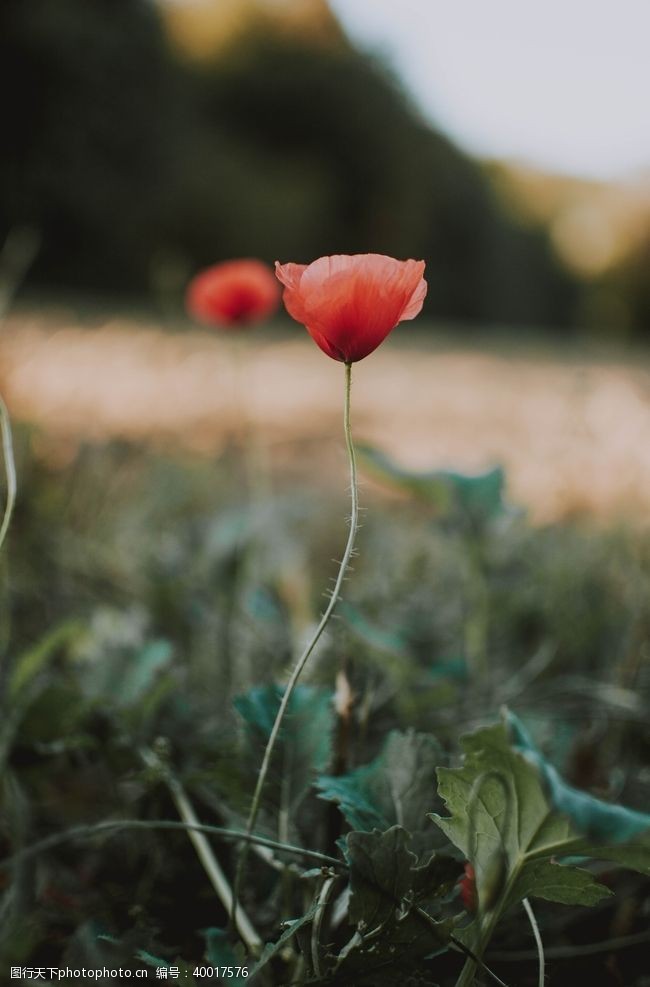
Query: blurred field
[(570, 427)]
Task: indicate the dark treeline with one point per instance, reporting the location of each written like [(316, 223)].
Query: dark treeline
[(137, 168)]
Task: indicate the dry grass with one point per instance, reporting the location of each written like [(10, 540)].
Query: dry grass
[(572, 433)]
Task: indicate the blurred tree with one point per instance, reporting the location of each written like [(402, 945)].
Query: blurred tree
[(376, 178), (88, 131), (132, 164)]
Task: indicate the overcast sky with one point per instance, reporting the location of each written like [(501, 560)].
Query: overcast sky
[(564, 84)]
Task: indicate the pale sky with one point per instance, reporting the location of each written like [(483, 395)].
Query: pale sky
[(563, 84)]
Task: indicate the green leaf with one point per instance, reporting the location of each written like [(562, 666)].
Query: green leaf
[(127, 677), (380, 875), (33, 661), (555, 882), (502, 821), (142, 671), (397, 788), (479, 495), (377, 638), (145, 957), (395, 956), (271, 949), (304, 743), (595, 819), (384, 876), (219, 951)]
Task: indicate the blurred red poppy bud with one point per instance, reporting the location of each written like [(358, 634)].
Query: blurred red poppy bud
[(349, 303), (232, 294), (467, 885)]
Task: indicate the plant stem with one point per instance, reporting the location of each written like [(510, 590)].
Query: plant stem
[(468, 972), (209, 862), (538, 940), (304, 657), (10, 469), (89, 830)]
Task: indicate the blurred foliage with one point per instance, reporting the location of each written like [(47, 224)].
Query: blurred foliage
[(149, 606), (137, 168)]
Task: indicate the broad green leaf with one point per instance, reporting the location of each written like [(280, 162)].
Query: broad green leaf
[(479, 495), (380, 875), (593, 818), (394, 935), (305, 740), (384, 877), (634, 855), (556, 882), (397, 788), (502, 821), (393, 956)]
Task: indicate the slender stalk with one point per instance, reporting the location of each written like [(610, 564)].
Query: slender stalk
[(323, 898), (538, 940), (10, 469), (304, 657), (249, 935), (88, 830)]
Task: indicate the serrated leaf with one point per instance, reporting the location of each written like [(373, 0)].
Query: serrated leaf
[(595, 819), (385, 877), (511, 811), (434, 878), (397, 788), (380, 875), (304, 744), (500, 809), (392, 956), (554, 882), (501, 819)]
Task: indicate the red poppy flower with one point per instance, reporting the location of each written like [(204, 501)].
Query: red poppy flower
[(232, 294), (467, 885), (349, 303)]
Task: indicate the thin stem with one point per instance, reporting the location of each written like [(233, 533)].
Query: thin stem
[(249, 935), (304, 657), (115, 825), (323, 898), (538, 940), (10, 469)]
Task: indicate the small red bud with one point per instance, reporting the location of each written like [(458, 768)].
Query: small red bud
[(467, 885)]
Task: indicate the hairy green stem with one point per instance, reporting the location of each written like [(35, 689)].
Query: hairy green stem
[(304, 657)]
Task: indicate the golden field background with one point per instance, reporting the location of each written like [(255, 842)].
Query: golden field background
[(570, 425)]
